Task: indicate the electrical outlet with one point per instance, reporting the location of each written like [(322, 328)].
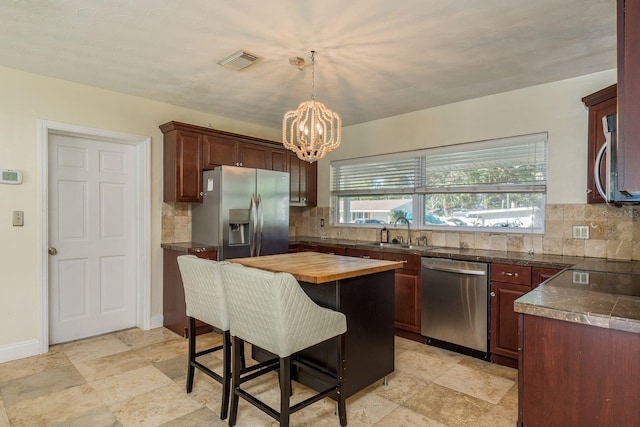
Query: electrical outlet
[(581, 232), (321, 222), (18, 218)]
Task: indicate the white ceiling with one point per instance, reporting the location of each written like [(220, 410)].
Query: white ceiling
[(376, 58)]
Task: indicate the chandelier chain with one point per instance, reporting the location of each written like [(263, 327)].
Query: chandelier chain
[(313, 75)]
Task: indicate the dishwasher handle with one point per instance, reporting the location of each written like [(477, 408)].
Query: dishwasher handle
[(456, 270)]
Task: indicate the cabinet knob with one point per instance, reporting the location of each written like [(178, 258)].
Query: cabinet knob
[(202, 193), (493, 294)]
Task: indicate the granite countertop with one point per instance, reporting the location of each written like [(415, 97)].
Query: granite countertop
[(607, 299), (479, 255)]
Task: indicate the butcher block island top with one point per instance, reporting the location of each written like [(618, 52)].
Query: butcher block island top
[(314, 267)]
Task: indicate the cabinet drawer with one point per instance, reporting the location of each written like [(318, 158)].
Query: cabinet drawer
[(411, 262), (334, 250), (361, 253), (507, 273)]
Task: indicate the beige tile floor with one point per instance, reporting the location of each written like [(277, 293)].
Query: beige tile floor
[(137, 378)]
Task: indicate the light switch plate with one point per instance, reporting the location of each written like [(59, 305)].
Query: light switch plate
[(18, 218)]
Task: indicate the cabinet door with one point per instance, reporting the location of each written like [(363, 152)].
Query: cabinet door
[(629, 95), (408, 298), (254, 156), (302, 181), (219, 150), (278, 160), (504, 321), (182, 166)]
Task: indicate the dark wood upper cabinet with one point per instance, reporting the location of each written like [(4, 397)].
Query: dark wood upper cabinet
[(182, 164), (254, 156), (219, 150), (628, 130), (303, 176), (190, 149), (278, 160), (600, 104)]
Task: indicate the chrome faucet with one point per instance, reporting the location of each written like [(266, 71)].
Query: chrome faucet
[(408, 227)]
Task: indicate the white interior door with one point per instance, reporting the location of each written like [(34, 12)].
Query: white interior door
[(92, 235)]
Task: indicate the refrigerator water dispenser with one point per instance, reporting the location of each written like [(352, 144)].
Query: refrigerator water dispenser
[(239, 226)]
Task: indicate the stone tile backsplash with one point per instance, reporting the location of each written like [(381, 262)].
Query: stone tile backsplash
[(614, 233)]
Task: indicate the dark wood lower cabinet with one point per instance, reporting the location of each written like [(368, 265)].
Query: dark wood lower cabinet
[(504, 322), (508, 283), (173, 305), (577, 375)]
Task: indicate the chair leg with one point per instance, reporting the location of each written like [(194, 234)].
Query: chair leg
[(342, 404), (285, 390), (243, 362), (226, 374), (235, 373), (192, 353)]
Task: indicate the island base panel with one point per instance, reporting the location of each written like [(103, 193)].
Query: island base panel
[(368, 303)]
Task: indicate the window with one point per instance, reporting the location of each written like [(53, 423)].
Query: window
[(496, 184)]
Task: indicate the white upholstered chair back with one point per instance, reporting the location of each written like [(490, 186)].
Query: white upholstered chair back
[(203, 290), (272, 311)]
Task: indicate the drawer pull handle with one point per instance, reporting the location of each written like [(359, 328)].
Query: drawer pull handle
[(403, 261), (507, 273), (365, 257)]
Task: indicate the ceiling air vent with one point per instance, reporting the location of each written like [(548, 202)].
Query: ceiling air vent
[(238, 60)]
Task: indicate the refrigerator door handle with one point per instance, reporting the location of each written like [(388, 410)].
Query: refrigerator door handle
[(253, 221), (260, 226)]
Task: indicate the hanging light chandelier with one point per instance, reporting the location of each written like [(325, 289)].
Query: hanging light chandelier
[(312, 130)]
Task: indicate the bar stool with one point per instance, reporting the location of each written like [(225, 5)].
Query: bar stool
[(205, 301), (271, 311)]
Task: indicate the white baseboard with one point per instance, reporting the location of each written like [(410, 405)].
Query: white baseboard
[(157, 321), (19, 350)]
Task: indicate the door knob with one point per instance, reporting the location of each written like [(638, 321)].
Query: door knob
[(53, 251)]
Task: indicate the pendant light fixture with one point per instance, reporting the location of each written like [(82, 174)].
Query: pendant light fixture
[(312, 130)]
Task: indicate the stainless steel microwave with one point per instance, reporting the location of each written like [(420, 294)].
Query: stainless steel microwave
[(609, 187)]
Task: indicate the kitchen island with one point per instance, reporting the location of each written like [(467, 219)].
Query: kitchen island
[(579, 349), (362, 289)]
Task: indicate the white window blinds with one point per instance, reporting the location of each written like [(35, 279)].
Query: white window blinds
[(376, 175), (514, 164)]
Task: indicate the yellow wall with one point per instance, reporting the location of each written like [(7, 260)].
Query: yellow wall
[(555, 108), (26, 98)]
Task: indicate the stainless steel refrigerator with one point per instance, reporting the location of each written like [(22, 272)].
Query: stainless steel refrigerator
[(244, 212)]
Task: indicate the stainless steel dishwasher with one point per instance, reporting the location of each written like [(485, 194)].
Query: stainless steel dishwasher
[(454, 304)]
